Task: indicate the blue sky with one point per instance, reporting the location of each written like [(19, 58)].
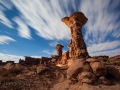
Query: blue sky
[(34, 27)]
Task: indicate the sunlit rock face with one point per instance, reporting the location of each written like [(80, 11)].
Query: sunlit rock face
[(77, 46), (64, 59)]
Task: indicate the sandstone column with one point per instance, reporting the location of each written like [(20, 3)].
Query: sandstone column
[(77, 46), (59, 49)]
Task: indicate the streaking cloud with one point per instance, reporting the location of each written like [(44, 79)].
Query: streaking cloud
[(102, 26), (110, 53), (53, 52), (9, 57), (44, 17), (104, 46), (22, 28), (53, 43), (102, 33), (4, 20), (102, 22), (6, 39)]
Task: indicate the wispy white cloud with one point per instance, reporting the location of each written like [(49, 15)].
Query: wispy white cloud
[(6, 3), (4, 20), (109, 53), (36, 56), (103, 46), (7, 57), (23, 29), (54, 43), (49, 52), (53, 52), (102, 20), (6, 39), (7, 32), (2, 8), (102, 25), (44, 17)]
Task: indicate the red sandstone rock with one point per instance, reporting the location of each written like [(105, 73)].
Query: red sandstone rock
[(77, 67), (77, 46), (59, 49), (92, 60), (98, 68), (64, 58), (102, 58), (113, 71), (86, 77)]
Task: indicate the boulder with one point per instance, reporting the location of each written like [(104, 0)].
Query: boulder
[(98, 68), (86, 77), (78, 66), (113, 71), (103, 80)]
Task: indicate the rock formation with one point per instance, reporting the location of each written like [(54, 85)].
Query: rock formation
[(102, 58), (64, 59), (75, 69), (82, 68), (77, 46), (59, 49), (57, 58)]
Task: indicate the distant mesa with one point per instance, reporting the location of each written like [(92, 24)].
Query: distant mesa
[(34, 61), (3, 63)]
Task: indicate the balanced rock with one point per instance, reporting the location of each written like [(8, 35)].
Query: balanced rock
[(77, 46)]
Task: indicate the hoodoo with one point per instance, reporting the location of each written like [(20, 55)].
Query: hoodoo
[(77, 46)]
